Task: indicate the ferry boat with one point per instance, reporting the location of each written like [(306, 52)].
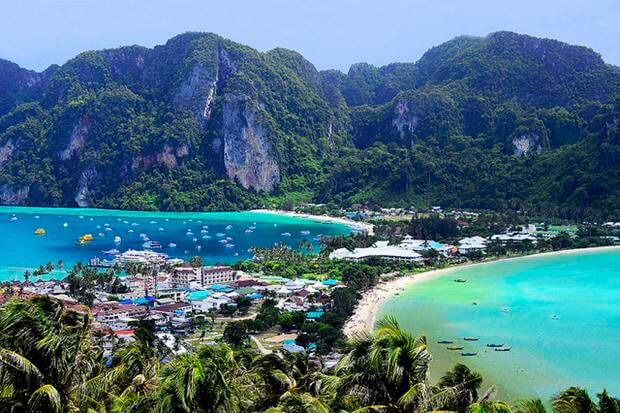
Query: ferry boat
[(140, 257)]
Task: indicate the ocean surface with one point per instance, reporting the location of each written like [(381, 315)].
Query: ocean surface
[(516, 300), (219, 237)]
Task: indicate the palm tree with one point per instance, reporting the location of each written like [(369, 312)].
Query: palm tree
[(388, 370), (205, 381), (470, 381), (576, 400), (47, 358)]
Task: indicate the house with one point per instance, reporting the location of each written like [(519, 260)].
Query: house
[(217, 275), (174, 310), (112, 313), (473, 244)]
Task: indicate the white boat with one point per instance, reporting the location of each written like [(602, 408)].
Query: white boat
[(108, 229), (230, 245), (142, 235), (229, 227), (117, 239), (172, 245), (65, 225), (160, 229), (223, 241), (13, 218), (152, 222), (220, 235), (130, 231), (304, 232), (206, 237), (152, 245), (36, 217), (248, 231), (286, 234)]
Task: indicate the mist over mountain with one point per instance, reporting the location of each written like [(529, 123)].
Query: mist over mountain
[(507, 121)]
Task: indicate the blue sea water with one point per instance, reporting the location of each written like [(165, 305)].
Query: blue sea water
[(193, 233), (580, 348)]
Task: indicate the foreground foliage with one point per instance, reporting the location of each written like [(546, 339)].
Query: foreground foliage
[(51, 362)]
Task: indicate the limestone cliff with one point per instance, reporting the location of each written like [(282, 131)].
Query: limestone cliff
[(248, 153)]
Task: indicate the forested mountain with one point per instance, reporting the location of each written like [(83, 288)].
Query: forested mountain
[(506, 121)]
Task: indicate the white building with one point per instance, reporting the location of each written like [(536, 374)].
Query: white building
[(217, 275), (379, 250), (472, 244)]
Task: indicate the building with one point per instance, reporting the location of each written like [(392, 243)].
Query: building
[(472, 244), (182, 276), (217, 275), (379, 250)]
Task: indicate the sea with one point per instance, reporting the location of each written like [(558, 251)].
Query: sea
[(559, 314), (218, 237)]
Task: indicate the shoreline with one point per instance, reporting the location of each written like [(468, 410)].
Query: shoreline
[(363, 318), (356, 225)]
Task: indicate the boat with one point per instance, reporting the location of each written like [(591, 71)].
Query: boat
[(471, 338), (142, 235), (460, 280), (286, 234), (130, 231), (39, 231), (160, 229), (86, 237), (453, 348), (493, 345), (505, 310), (223, 241), (65, 225), (230, 245), (229, 227), (474, 303), (152, 222), (172, 245), (220, 235), (152, 245), (555, 317), (248, 231), (13, 218), (469, 353), (117, 239), (445, 342), (305, 232), (503, 349), (113, 252)]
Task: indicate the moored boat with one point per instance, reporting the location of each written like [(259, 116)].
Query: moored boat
[(471, 338), (453, 348), (469, 353)]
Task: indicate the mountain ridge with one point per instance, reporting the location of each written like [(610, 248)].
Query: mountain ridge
[(204, 123)]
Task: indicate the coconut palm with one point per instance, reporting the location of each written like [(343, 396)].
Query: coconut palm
[(470, 381), (205, 381), (388, 371), (47, 359), (576, 400)]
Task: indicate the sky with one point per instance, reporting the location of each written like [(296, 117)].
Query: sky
[(329, 33)]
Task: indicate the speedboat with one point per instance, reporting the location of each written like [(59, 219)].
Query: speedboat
[(305, 232), (65, 225), (505, 310), (286, 234), (555, 317), (117, 239), (460, 280), (152, 245), (172, 245)]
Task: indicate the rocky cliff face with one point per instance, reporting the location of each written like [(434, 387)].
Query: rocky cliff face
[(13, 196), (248, 153), (77, 139), (527, 144), (87, 183)]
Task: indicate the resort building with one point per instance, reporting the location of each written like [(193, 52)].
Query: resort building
[(182, 276), (217, 275), (472, 244), (380, 249)]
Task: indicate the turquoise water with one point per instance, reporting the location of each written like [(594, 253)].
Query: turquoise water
[(20, 249), (581, 348)]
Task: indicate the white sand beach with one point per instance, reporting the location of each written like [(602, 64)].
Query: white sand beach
[(363, 319), (356, 225)]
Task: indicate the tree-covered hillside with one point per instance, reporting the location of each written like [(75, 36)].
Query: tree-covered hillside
[(203, 123)]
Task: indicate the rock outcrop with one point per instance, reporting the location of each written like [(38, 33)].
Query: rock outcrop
[(86, 187), (527, 144), (404, 121), (248, 152), (77, 139), (11, 196)]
